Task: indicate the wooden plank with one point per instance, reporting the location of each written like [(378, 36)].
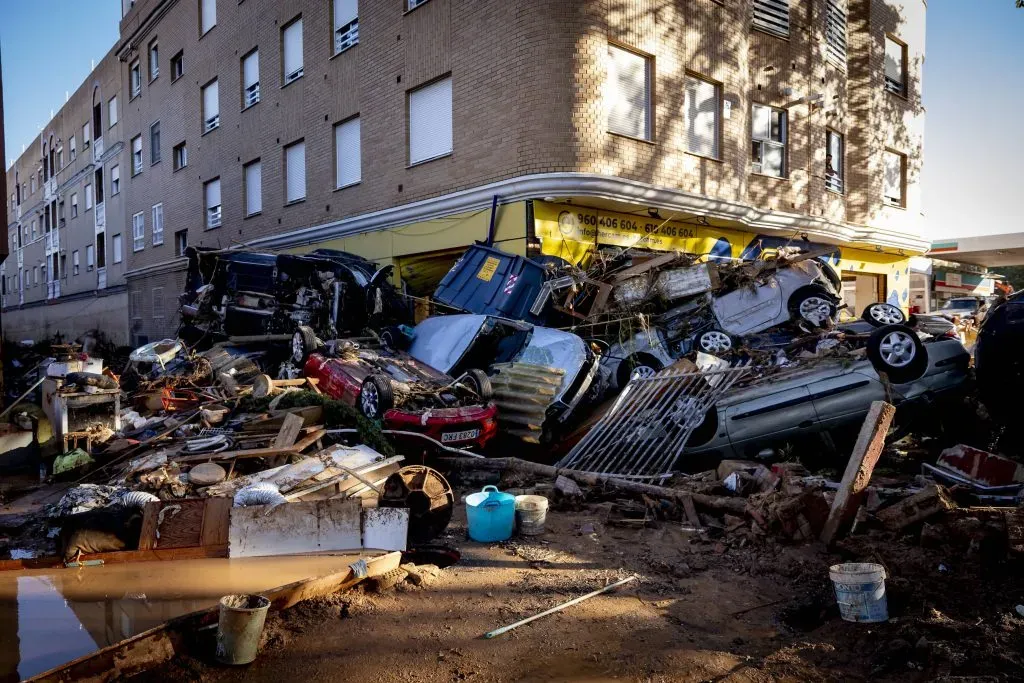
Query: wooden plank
[(918, 507), (866, 452), (120, 557), (215, 521), (691, 511), (147, 537)]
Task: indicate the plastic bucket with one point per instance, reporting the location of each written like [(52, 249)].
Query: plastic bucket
[(240, 627), (531, 511), (860, 591), (491, 514)]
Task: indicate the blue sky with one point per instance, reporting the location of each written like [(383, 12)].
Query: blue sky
[(973, 93)]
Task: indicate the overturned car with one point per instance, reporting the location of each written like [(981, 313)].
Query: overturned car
[(240, 293)]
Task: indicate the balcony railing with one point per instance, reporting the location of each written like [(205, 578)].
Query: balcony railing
[(895, 86), (100, 215), (101, 278), (53, 289), (97, 149), (346, 36), (252, 94), (49, 189), (293, 76), (211, 123), (834, 183), (213, 217)]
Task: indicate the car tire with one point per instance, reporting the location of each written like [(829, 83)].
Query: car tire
[(376, 397), (480, 383), (880, 314), (714, 342), (304, 342), (808, 303), (897, 351), (644, 362)]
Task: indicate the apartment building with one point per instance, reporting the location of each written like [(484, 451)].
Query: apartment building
[(66, 220), (404, 130)]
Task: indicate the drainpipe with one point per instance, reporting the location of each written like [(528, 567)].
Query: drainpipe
[(494, 214)]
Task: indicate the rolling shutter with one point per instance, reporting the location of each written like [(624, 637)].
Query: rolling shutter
[(295, 172), (772, 16), (251, 70), (292, 41), (348, 162), (253, 188), (627, 96), (208, 14), (702, 110), (345, 12), (835, 32), (430, 121)]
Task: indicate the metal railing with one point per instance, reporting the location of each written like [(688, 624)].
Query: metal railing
[(211, 123), (97, 149), (293, 76), (346, 36), (213, 217), (100, 214), (834, 182), (645, 431), (252, 94), (895, 86)]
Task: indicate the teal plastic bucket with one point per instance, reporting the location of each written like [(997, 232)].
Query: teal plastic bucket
[(860, 591), (491, 515)]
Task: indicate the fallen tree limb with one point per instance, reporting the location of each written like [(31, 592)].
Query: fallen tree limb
[(736, 506)]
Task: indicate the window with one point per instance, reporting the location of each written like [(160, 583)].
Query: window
[(251, 79), (137, 155), (833, 161), (347, 155), (628, 93), (158, 302), (768, 149), (88, 196), (90, 257), (32, 182), (211, 194), (158, 224), (772, 16), (430, 121), (211, 106), (346, 24), (253, 178), (112, 111), (101, 251), (118, 250), (295, 172), (413, 4), (180, 156), (702, 109), (139, 231), (154, 60), (895, 179), (835, 32), (74, 262), (74, 205), (180, 242), (71, 148), (291, 46), (86, 136), (207, 15), (177, 66), (136, 305), (154, 143), (35, 275), (115, 179), (895, 66), (136, 80)]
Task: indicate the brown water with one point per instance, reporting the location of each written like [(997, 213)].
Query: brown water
[(51, 616)]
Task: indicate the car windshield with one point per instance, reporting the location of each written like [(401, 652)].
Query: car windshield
[(959, 305), (499, 341)]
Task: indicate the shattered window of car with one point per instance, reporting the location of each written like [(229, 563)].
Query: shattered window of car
[(499, 344)]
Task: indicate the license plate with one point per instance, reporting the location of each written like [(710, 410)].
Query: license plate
[(460, 436)]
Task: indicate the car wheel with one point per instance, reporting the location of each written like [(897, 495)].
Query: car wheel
[(304, 342), (714, 342), (813, 304), (636, 366), (896, 351), (479, 382), (879, 314), (376, 397)]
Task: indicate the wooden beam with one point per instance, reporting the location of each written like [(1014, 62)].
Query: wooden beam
[(866, 452), (121, 556)]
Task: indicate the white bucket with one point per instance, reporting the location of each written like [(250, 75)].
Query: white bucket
[(860, 591), (531, 511)]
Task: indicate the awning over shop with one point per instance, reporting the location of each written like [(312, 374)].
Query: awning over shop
[(991, 251)]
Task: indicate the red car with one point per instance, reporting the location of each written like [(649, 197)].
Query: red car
[(407, 395)]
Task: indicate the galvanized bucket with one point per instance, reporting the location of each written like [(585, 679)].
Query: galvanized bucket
[(240, 627)]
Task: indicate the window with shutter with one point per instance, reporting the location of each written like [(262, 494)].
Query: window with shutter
[(117, 248), (291, 46), (158, 224), (833, 161), (702, 110), (295, 171), (115, 179), (772, 16), (346, 24), (253, 178), (211, 196), (136, 78), (154, 60), (768, 133), (250, 79), (347, 153), (177, 66), (138, 231), (207, 15), (211, 106), (154, 143), (90, 257), (112, 110), (137, 155), (835, 32), (894, 180), (895, 66), (628, 93), (430, 121)]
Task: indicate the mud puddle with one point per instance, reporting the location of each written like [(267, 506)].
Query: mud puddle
[(51, 616)]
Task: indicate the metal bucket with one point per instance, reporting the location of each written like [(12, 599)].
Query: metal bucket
[(531, 512), (860, 591), (240, 627)]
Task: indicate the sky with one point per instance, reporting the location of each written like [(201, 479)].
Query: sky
[(973, 95)]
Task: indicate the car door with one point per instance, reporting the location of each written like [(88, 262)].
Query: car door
[(747, 309), (770, 420), (844, 395)]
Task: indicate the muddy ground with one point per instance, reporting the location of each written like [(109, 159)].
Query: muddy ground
[(708, 607)]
